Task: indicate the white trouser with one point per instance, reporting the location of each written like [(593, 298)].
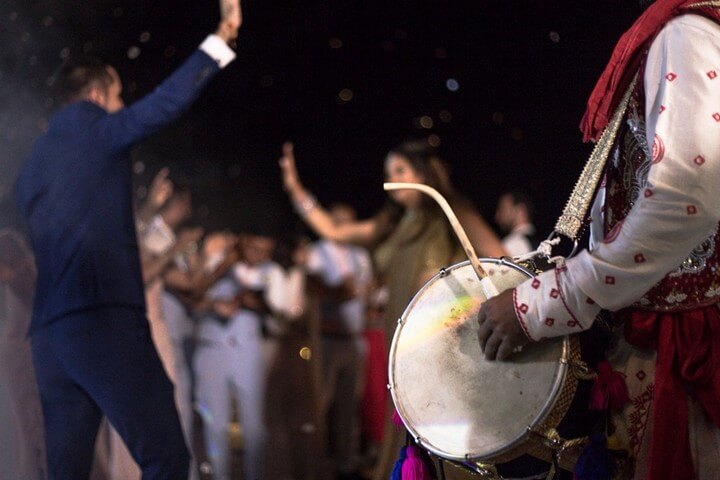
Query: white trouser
[(181, 330), (229, 363)]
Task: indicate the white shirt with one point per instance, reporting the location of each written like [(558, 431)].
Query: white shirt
[(516, 242), (218, 50), (679, 208), (334, 262), (157, 237)]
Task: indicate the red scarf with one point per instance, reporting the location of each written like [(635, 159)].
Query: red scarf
[(688, 362), (626, 58)]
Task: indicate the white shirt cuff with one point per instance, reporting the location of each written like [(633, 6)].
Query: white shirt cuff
[(218, 50)]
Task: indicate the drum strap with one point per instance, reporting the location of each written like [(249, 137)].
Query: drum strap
[(573, 217)]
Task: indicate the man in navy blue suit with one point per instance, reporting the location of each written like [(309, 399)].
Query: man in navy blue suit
[(90, 338)]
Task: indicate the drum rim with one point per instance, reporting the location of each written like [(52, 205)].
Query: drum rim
[(545, 410)]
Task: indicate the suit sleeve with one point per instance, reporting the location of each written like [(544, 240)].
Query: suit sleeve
[(121, 130), (679, 207)]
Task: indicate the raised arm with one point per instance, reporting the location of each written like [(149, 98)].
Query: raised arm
[(363, 232), (161, 189), (119, 131)]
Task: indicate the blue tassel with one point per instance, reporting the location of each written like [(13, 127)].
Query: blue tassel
[(596, 462), (397, 470)]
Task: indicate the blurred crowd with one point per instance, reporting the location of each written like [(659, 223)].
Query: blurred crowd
[(277, 350)]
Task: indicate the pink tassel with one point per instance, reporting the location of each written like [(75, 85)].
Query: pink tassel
[(609, 390), (397, 421), (414, 467)]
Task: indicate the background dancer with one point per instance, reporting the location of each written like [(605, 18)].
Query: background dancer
[(514, 215), (346, 273), (411, 239), (90, 336)]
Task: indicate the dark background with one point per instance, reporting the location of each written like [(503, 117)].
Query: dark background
[(524, 69)]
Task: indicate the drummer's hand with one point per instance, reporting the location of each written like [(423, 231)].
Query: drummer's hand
[(500, 332)]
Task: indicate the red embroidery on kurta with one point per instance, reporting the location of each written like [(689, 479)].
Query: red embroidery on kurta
[(638, 418), (670, 77), (610, 280), (692, 209), (658, 149), (712, 74), (614, 233), (639, 258), (518, 314), (699, 160)]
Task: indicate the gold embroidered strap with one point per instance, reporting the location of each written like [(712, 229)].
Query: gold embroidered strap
[(573, 216), (715, 4)]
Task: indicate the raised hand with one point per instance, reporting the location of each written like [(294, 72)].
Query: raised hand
[(161, 189), (230, 21), (291, 179)]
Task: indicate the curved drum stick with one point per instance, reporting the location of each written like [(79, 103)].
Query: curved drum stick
[(488, 287)]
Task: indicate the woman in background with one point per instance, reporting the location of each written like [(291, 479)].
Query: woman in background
[(410, 238)]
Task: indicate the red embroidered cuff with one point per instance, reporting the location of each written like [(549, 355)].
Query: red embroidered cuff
[(520, 310)]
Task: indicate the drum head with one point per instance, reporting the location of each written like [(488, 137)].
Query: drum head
[(454, 402)]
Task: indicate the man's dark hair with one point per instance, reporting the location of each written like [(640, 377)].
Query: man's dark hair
[(77, 76), (519, 197)]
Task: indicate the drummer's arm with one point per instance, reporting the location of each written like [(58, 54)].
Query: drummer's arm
[(677, 211)]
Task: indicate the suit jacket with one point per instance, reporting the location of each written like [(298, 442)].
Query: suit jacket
[(75, 192)]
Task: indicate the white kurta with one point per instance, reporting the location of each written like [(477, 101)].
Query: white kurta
[(679, 208)]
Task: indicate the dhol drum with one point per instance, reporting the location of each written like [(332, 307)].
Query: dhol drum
[(463, 408)]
